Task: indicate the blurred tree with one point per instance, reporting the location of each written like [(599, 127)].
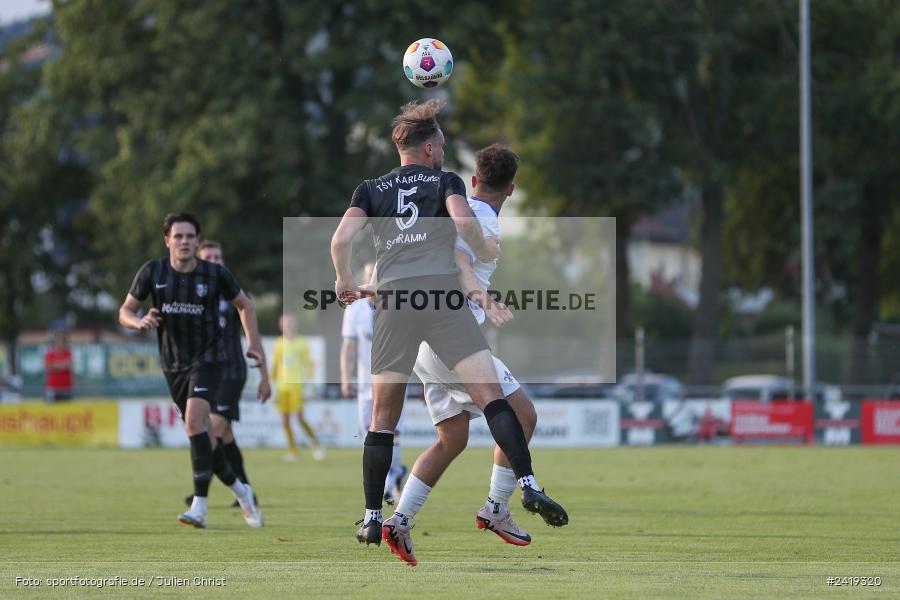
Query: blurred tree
[(733, 67), (855, 82), (39, 188), (242, 113), (247, 112), (576, 91), (856, 69), (18, 229)]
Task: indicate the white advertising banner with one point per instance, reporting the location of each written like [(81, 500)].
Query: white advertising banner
[(150, 423), (334, 422), (561, 423), (702, 418)]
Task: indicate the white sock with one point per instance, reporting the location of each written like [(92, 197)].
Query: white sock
[(372, 515), (198, 506), (528, 481), (238, 488), (415, 493), (503, 484)]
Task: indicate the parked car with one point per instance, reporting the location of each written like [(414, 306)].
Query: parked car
[(764, 388), (656, 388), (580, 384)]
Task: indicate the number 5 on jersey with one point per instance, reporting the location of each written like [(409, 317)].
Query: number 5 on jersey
[(403, 207)]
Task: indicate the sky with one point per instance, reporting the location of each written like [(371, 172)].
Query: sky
[(16, 10)]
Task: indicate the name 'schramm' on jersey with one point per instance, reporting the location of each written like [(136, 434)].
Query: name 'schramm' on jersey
[(414, 235), (190, 333)]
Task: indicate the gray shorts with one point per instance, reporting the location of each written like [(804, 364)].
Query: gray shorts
[(401, 323)]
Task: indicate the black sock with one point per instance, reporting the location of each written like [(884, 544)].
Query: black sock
[(220, 465), (376, 463), (201, 462), (235, 459), (508, 433)]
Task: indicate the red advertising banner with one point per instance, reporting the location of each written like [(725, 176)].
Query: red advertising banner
[(787, 422), (880, 422)]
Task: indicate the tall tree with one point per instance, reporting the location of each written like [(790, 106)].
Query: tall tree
[(39, 186), (856, 71), (727, 57), (575, 94), (243, 112)]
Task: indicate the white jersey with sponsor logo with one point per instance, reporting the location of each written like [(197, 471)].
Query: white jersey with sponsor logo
[(359, 321), (490, 225)]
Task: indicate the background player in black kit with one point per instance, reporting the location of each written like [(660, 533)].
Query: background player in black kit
[(185, 295), (408, 209), (227, 407)]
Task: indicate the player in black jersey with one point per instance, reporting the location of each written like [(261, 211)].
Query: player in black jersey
[(414, 249), (227, 408), (185, 293)]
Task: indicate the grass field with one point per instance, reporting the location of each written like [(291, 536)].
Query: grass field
[(661, 522)]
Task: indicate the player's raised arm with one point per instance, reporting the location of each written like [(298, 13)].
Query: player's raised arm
[(352, 223), (255, 350), (497, 312), (469, 230)]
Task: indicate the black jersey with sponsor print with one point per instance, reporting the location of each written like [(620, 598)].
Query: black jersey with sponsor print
[(230, 321), (190, 333), (414, 235)]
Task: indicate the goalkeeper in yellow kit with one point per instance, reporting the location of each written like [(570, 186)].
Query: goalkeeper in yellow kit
[(291, 368)]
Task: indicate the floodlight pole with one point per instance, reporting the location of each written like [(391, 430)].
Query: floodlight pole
[(809, 304)]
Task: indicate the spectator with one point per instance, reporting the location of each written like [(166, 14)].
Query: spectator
[(58, 367)]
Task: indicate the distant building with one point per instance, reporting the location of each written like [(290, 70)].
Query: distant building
[(660, 256)]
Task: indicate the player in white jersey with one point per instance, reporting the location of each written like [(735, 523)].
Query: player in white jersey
[(449, 405), (356, 356)]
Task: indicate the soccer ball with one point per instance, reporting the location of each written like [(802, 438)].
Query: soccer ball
[(428, 63)]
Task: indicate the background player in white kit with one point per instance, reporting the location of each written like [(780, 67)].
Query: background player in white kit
[(356, 351), (449, 405)]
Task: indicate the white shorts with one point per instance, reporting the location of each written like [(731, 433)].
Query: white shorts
[(364, 414), (445, 396)]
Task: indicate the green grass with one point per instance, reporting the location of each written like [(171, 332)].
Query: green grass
[(664, 522)]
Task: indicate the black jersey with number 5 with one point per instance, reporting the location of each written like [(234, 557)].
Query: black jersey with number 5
[(190, 333), (414, 235)]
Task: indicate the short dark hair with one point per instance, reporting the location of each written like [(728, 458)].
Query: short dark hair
[(496, 166), (416, 123), (173, 218), (209, 244)]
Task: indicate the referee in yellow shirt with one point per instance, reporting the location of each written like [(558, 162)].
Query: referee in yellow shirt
[(291, 368)]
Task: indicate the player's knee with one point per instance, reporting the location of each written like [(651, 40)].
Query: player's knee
[(385, 421), (452, 439), (219, 428), (193, 426), (451, 447)]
